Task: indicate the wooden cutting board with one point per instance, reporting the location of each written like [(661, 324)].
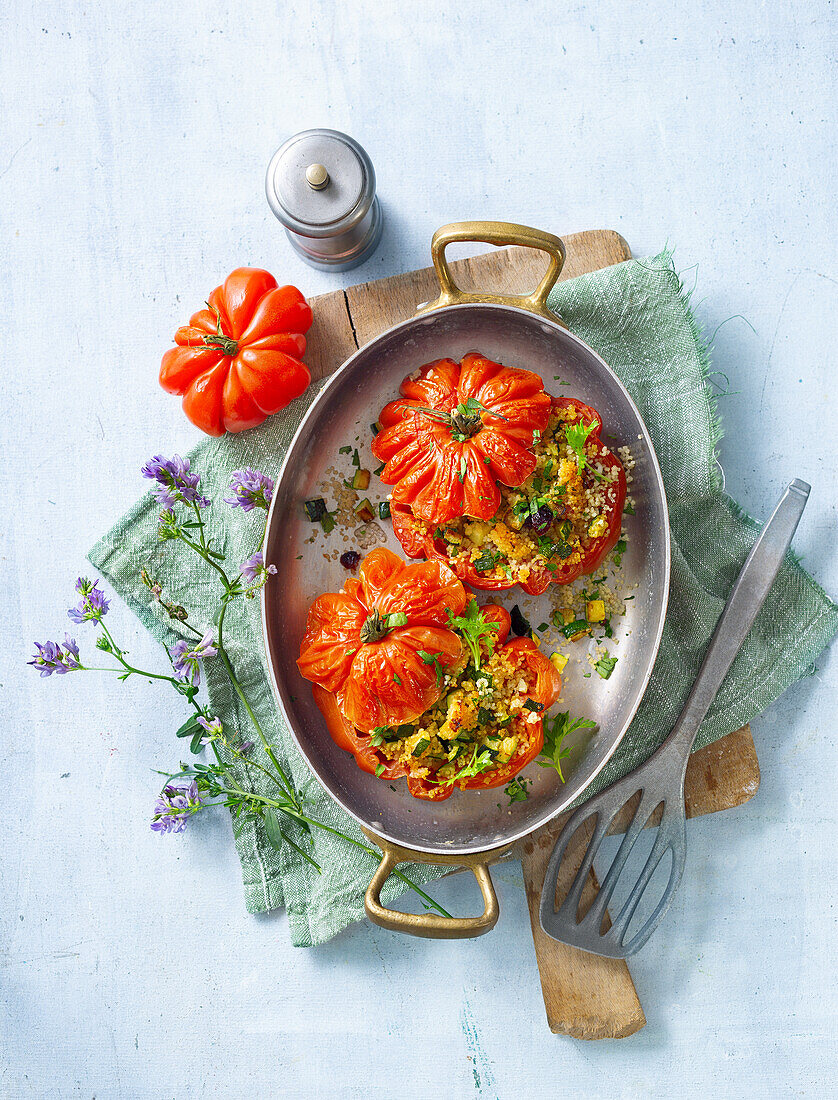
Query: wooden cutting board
[(585, 996)]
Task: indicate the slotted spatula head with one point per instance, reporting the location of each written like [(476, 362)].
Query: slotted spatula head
[(593, 929), (660, 780)]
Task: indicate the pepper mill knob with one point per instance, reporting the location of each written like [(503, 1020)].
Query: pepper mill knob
[(317, 177)]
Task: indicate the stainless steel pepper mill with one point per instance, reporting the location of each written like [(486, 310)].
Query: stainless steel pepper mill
[(321, 186)]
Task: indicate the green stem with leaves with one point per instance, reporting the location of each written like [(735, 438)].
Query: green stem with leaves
[(290, 805), (272, 802)]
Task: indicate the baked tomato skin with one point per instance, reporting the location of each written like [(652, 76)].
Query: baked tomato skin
[(545, 686), (239, 361), (363, 644), (458, 430), (418, 540), (347, 737)]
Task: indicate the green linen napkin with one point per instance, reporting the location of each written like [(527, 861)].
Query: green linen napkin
[(637, 316)]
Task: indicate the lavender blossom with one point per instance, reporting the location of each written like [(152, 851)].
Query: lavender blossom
[(185, 657), (254, 569), (52, 658), (213, 727), (93, 605), (174, 480), (251, 489), (176, 803)]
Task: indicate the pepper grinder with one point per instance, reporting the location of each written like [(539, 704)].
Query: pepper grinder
[(321, 186)]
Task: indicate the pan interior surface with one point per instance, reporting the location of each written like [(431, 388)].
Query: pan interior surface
[(307, 565)]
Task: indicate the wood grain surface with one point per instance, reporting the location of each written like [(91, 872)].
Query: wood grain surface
[(585, 996)]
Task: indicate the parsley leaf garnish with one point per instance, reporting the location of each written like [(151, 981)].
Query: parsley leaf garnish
[(577, 436), (516, 791), (433, 659), (605, 666), (556, 729), (474, 629)]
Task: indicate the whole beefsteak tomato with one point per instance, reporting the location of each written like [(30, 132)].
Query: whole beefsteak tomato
[(458, 430), (239, 361)]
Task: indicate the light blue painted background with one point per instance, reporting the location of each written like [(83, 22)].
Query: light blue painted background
[(133, 141)]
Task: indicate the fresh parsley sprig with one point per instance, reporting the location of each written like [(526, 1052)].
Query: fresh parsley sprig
[(577, 436), (474, 630), (478, 763), (556, 730)]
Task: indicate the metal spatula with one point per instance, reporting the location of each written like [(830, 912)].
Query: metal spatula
[(661, 778)]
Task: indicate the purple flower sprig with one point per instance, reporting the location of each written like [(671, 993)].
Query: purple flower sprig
[(177, 802), (212, 727), (250, 489), (256, 572), (186, 655), (93, 604), (176, 483), (196, 788), (53, 657), (214, 731)]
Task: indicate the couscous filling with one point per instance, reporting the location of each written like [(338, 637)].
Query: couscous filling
[(478, 724), (551, 520)]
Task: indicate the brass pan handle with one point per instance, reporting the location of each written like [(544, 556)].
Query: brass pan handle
[(432, 925), (499, 233)]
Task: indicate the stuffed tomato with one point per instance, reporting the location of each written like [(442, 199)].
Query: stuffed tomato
[(459, 430), (469, 704), (555, 526)]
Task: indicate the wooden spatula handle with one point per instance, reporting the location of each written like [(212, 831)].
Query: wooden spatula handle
[(585, 995)]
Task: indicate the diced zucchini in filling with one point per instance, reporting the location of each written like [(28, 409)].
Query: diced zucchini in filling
[(558, 660), (595, 611)]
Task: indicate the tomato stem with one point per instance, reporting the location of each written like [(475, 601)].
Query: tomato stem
[(465, 421), (225, 344), (377, 625)]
